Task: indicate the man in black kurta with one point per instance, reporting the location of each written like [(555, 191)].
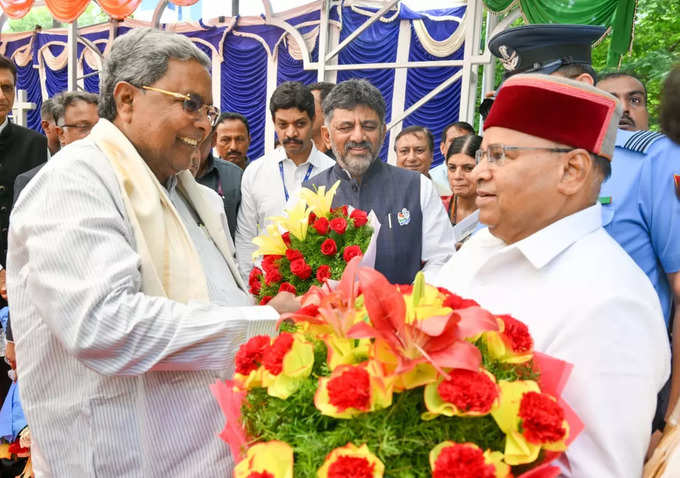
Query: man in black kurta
[(415, 232), (20, 150)]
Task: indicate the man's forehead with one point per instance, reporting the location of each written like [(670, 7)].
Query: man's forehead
[(511, 137), (290, 114), (624, 83), (360, 112), (413, 136), (6, 77), (227, 125)]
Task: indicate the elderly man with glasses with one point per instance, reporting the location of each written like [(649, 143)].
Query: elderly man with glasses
[(546, 260), (126, 299)]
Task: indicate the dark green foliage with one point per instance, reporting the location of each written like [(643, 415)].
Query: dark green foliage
[(506, 371), (397, 435)]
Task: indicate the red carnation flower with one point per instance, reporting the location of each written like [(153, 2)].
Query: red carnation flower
[(292, 254), (469, 391), (351, 389), (542, 418), (351, 467), (272, 359), (342, 210), (265, 300), (249, 355), (517, 334), (462, 461), (286, 238), (323, 273), (455, 301), (359, 217), (321, 225), (311, 310), (272, 275), (339, 225), (254, 280), (329, 247), (350, 252), (287, 287), (311, 218), (260, 474), (301, 269), (269, 262)]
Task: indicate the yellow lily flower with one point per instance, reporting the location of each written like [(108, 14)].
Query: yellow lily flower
[(320, 201), (269, 243), (342, 351), (273, 457), (349, 458), (294, 220)]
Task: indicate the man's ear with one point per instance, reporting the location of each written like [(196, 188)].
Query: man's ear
[(213, 143), (585, 78), (60, 135), (326, 136), (576, 172), (124, 94)]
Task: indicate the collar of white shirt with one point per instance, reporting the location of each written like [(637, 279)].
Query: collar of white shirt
[(313, 157), (4, 125), (542, 246)]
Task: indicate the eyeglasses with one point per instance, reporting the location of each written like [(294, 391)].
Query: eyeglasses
[(191, 103), (496, 153), (83, 128)]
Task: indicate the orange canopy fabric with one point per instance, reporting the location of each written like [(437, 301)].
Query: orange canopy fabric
[(69, 10), (119, 9), (16, 8)]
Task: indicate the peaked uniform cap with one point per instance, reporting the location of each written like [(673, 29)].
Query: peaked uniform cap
[(544, 48), (558, 109)]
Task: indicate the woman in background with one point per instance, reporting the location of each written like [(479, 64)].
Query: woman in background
[(460, 161)]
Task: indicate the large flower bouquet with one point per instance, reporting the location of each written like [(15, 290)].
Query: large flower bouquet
[(310, 244), (371, 379)]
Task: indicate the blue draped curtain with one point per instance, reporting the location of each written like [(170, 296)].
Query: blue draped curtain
[(244, 86), (443, 108), (28, 79), (376, 44)]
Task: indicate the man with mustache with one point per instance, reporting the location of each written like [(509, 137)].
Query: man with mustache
[(639, 199), (632, 94), (270, 181), (415, 233), (232, 139)]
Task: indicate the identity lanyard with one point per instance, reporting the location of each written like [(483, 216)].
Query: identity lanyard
[(283, 179)]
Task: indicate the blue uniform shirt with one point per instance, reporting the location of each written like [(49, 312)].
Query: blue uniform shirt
[(641, 207)]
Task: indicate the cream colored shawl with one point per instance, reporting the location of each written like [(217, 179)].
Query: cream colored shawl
[(170, 263)]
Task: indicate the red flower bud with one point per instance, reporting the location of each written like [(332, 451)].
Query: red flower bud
[(249, 355), (339, 225), (321, 225), (329, 247), (265, 300), (359, 217), (350, 252), (287, 287), (323, 273), (272, 275), (311, 218), (286, 238), (292, 254), (300, 268)]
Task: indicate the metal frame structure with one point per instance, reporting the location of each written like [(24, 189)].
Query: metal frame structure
[(327, 65)]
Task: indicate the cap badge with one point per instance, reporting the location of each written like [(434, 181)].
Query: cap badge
[(404, 217), (509, 57)]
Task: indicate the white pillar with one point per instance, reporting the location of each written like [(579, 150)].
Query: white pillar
[(271, 86), (21, 108), (72, 47), (399, 89)]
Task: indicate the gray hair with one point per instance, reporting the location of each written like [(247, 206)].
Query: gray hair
[(141, 57), (47, 110), (67, 98), (352, 93)]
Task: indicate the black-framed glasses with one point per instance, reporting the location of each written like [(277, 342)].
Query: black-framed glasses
[(496, 153), (191, 103)]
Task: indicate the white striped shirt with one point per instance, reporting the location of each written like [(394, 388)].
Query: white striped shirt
[(114, 383)]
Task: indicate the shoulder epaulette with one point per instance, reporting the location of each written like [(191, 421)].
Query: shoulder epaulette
[(642, 140)]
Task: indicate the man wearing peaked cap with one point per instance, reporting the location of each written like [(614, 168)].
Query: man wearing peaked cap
[(545, 48), (546, 260)]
